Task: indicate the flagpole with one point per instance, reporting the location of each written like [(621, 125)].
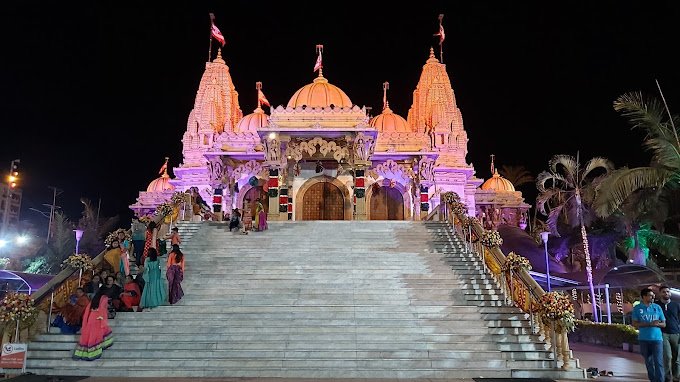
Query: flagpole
[(212, 17), (441, 39), (258, 86)]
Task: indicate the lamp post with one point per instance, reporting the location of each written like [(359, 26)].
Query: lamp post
[(79, 235), (544, 237)]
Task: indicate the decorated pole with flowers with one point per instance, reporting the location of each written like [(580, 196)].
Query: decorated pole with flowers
[(557, 313), (82, 262), (18, 309)]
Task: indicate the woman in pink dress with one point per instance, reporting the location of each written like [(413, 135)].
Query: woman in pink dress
[(95, 334)]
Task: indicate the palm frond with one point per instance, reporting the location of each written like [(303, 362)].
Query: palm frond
[(620, 184), (667, 245), (543, 199), (545, 176), (597, 163), (553, 219), (517, 175), (641, 112), (665, 152), (567, 163)]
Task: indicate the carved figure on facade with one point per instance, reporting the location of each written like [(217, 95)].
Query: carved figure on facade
[(426, 169), (364, 147), (272, 150)]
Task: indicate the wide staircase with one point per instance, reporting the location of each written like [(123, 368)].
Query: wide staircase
[(359, 299)]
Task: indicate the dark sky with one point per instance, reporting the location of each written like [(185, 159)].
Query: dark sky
[(94, 96)]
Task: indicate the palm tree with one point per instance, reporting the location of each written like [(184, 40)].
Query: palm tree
[(517, 175), (569, 197), (621, 193)]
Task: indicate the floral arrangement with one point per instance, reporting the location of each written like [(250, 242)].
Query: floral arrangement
[(491, 239), (114, 236), (458, 208), (450, 197), (78, 261), (468, 220), (164, 209), (514, 261), (556, 306), (18, 307), (177, 198), (145, 220)]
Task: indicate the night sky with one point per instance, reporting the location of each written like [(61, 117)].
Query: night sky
[(94, 97)]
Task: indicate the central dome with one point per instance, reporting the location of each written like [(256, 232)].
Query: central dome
[(389, 122), (161, 184), (498, 183), (319, 93)]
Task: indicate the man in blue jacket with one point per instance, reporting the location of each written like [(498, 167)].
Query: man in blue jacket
[(671, 334), (649, 319)]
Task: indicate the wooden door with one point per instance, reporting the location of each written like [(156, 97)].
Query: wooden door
[(387, 203), (253, 194), (323, 201)]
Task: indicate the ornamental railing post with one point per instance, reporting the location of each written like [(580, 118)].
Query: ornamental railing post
[(49, 312)]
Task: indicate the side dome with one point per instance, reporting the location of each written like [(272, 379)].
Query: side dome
[(389, 122), (498, 183), (252, 122), (320, 93), (160, 184)]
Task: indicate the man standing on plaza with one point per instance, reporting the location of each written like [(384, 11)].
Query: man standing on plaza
[(671, 334), (649, 319)]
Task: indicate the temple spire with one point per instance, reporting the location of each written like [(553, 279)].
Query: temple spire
[(386, 103)]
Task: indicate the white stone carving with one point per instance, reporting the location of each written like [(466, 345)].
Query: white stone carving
[(363, 147), (295, 150), (426, 169)]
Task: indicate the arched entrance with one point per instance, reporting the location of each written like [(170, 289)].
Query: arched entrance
[(387, 203), (253, 194), (323, 201)]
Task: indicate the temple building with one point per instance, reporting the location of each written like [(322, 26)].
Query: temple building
[(497, 202), (322, 157)]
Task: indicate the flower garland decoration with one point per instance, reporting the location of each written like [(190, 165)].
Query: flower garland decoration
[(491, 239), (145, 220), (114, 236), (514, 261), (18, 307), (78, 261), (177, 198), (458, 208), (164, 209), (556, 306), (450, 197)]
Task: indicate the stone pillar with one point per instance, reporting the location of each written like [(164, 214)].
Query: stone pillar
[(273, 184), (360, 195), (217, 205)]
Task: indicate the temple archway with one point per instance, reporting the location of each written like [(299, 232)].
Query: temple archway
[(387, 203), (248, 196), (323, 198)]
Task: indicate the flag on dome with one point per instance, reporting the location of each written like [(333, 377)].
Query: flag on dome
[(215, 31), (441, 33), (164, 167), (261, 98), (318, 64)]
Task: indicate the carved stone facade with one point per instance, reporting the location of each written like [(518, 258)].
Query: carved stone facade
[(321, 134)]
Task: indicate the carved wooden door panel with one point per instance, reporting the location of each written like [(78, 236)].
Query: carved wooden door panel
[(323, 201), (253, 194), (387, 204)]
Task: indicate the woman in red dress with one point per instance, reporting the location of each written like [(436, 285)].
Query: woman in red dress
[(95, 334)]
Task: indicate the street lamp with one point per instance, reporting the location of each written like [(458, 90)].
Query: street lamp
[(79, 235), (544, 237)]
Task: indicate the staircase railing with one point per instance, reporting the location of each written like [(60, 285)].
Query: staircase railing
[(58, 290), (518, 286)]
